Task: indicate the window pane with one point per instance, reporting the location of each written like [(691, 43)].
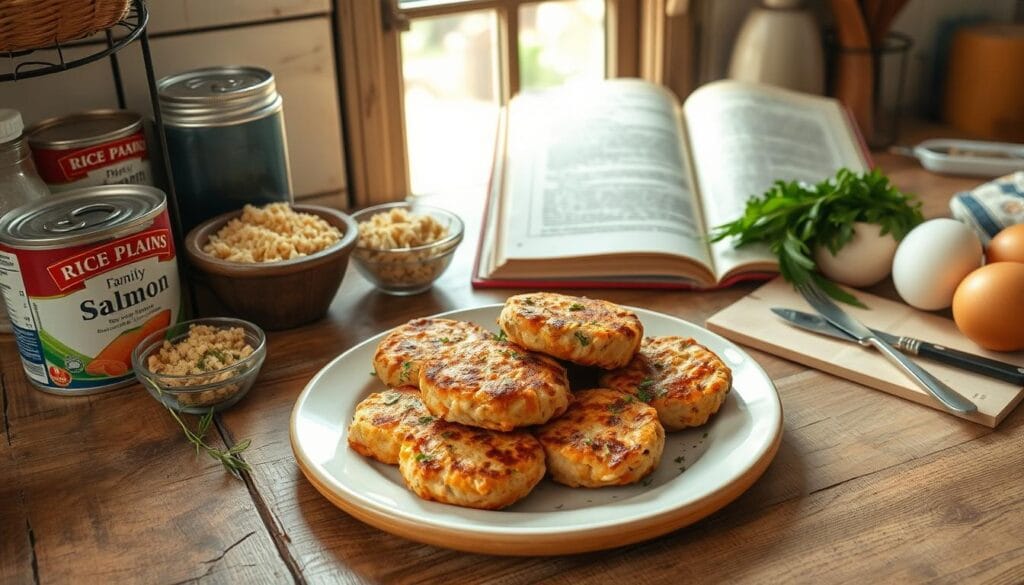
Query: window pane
[(451, 101), (561, 42)]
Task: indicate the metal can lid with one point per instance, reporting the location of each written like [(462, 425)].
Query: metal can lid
[(82, 216), (83, 129), (217, 96)]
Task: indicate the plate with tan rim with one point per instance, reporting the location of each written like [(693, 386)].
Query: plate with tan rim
[(701, 470)]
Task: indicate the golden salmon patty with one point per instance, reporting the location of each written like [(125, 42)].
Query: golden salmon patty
[(383, 419), (584, 331), (473, 467), (607, 437), (493, 384), (685, 381), (399, 355)]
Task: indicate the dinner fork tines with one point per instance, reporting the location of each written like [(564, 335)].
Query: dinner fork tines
[(950, 398)]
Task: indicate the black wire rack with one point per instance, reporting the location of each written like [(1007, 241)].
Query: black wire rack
[(46, 60), (20, 65)]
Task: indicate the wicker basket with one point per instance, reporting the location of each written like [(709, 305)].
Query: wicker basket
[(35, 24)]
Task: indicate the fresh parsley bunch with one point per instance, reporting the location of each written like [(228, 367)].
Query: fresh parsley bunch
[(794, 219)]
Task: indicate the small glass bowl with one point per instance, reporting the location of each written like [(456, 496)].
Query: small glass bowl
[(408, 271), (197, 393)]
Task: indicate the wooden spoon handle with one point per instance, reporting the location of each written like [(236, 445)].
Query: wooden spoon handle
[(854, 66)]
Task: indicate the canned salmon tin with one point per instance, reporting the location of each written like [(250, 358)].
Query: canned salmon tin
[(100, 147), (86, 276)]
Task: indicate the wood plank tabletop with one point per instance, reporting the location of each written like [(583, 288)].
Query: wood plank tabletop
[(865, 488)]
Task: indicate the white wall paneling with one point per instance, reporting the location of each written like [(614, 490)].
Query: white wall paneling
[(299, 50), (85, 88), (182, 15), (300, 55)]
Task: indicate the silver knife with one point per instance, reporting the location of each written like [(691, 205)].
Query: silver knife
[(939, 390), (938, 353)]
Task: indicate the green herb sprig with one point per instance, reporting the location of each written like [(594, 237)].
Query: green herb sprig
[(229, 458), (794, 219)]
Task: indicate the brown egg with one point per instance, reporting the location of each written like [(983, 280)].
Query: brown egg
[(1007, 245), (988, 306)]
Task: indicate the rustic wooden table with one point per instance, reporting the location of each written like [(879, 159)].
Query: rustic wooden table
[(865, 488)]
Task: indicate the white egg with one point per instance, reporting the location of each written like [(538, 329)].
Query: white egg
[(932, 260), (865, 260)]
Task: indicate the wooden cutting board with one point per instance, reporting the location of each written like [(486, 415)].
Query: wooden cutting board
[(750, 321)]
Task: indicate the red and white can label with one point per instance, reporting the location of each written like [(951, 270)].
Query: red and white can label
[(121, 161), (78, 312)]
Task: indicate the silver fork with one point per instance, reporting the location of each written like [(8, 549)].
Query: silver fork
[(950, 398)]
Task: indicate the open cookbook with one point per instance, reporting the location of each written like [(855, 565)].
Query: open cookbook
[(616, 184)]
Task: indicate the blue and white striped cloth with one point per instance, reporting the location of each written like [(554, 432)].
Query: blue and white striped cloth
[(992, 206)]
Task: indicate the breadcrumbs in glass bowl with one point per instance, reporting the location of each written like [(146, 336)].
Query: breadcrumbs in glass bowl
[(201, 364), (404, 247)]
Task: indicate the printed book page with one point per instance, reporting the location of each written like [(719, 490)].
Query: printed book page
[(744, 137), (598, 175), (619, 182)]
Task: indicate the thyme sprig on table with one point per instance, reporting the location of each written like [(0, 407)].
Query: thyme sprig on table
[(793, 219), (229, 458)]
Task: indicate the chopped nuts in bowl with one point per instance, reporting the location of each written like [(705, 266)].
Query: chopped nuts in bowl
[(404, 247), (201, 364)]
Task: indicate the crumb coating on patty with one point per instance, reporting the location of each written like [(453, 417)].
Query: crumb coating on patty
[(400, 354), (685, 381), (584, 331), (494, 384), (473, 467), (606, 438), (383, 419)]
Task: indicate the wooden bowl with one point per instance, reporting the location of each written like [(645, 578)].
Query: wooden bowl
[(276, 295)]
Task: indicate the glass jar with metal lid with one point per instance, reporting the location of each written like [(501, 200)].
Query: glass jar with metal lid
[(226, 140)]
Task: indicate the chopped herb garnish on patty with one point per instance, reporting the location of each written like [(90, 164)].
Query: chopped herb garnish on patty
[(423, 457), (391, 398), (644, 390), (583, 339), (576, 307), (528, 301), (425, 420), (444, 340), (404, 376), (500, 336)]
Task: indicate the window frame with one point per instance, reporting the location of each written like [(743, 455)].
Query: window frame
[(369, 48)]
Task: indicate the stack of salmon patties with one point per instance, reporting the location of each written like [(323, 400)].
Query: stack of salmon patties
[(477, 419)]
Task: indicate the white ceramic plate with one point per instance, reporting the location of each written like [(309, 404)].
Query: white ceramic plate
[(701, 469)]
